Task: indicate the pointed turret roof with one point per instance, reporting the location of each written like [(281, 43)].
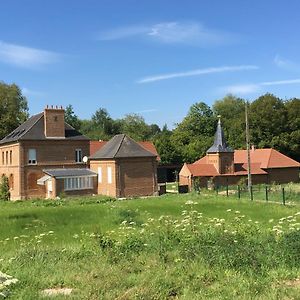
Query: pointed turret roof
[(220, 144), (121, 146)]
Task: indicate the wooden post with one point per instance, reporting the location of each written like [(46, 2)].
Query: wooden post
[(267, 196), (227, 190), (251, 193), (239, 192), (283, 196)]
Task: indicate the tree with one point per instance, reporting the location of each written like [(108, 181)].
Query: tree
[(232, 112), (4, 189), (13, 108), (71, 118), (268, 119), (135, 126)]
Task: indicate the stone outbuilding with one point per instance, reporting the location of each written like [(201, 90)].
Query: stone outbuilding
[(125, 168)]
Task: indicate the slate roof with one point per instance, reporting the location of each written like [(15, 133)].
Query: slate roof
[(220, 144), (97, 145), (33, 129), (121, 146), (69, 172)]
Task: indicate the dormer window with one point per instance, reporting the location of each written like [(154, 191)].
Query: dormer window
[(32, 156)]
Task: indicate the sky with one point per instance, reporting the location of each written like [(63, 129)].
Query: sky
[(155, 58)]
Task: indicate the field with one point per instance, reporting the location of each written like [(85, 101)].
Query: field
[(186, 246)]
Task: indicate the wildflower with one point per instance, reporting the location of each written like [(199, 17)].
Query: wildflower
[(237, 212), (50, 232), (16, 237), (229, 209), (189, 202), (271, 220), (75, 236), (256, 222), (218, 224)]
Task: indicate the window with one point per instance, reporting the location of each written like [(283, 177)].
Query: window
[(32, 156), (78, 183), (78, 155), (109, 175), (100, 175), (2, 158), (10, 157), (6, 157)]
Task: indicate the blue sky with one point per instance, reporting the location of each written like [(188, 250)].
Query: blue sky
[(155, 58)]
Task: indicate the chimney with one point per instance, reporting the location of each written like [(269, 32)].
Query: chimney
[(54, 122)]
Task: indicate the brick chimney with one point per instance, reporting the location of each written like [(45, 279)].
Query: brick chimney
[(54, 122)]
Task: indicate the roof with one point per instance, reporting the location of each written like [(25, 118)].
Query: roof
[(97, 145), (121, 146), (69, 172), (220, 144), (268, 158), (202, 169), (33, 129)]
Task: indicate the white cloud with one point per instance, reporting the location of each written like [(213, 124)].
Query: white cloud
[(281, 82), (197, 72), (256, 87), (25, 56), (192, 33), (286, 64), (29, 92), (243, 89)]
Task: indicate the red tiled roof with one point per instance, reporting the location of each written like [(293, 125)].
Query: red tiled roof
[(242, 169), (268, 158), (202, 169), (97, 145)]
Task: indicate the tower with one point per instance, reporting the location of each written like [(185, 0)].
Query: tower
[(220, 154)]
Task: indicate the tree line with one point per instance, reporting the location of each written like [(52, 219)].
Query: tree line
[(274, 123)]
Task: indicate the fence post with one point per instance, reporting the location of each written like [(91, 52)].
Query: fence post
[(239, 192), (283, 196), (217, 190), (227, 190), (251, 193), (267, 196)]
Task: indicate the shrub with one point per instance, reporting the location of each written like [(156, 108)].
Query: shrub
[(4, 189)]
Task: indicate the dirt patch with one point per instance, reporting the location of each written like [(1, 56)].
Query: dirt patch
[(292, 283), (57, 291)]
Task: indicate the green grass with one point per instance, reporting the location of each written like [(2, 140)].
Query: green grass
[(80, 243)]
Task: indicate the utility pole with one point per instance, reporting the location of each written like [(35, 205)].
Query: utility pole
[(248, 152)]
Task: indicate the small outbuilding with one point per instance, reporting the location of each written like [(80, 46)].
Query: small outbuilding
[(125, 168)]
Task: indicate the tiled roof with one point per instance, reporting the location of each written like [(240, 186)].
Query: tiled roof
[(97, 145), (33, 129), (202, 169), (220, 144), (121, 146), (69, 172), (268, 158)]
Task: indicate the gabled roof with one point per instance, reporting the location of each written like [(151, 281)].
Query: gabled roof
[(220, 144), (33, 129), (97, 145), (268, 158), (202, 169), (121, 146)]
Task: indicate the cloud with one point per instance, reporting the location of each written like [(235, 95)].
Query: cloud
[(256, 87), (197, 72), (243, 89), (22, 56), (191, 33), (28, 92), (286, 64)]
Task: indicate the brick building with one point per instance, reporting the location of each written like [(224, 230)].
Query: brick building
[(125, 168), (45, 142), (224, 166)]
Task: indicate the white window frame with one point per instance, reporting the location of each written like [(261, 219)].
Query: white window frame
[(78, 183), (32, 156), (78, 155), (109, 175), (100, 174)]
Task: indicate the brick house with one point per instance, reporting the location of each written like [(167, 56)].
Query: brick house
[(125, 168), (33, 155), (225, 166)]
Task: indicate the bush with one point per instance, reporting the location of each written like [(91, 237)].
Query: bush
[(4, 189)]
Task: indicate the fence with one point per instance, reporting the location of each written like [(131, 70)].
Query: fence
[(270, 193)]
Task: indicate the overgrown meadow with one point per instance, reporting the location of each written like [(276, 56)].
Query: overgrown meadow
[(170, 247)]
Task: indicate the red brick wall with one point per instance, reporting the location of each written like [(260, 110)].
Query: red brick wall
[(283, 175), (54, 122)]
